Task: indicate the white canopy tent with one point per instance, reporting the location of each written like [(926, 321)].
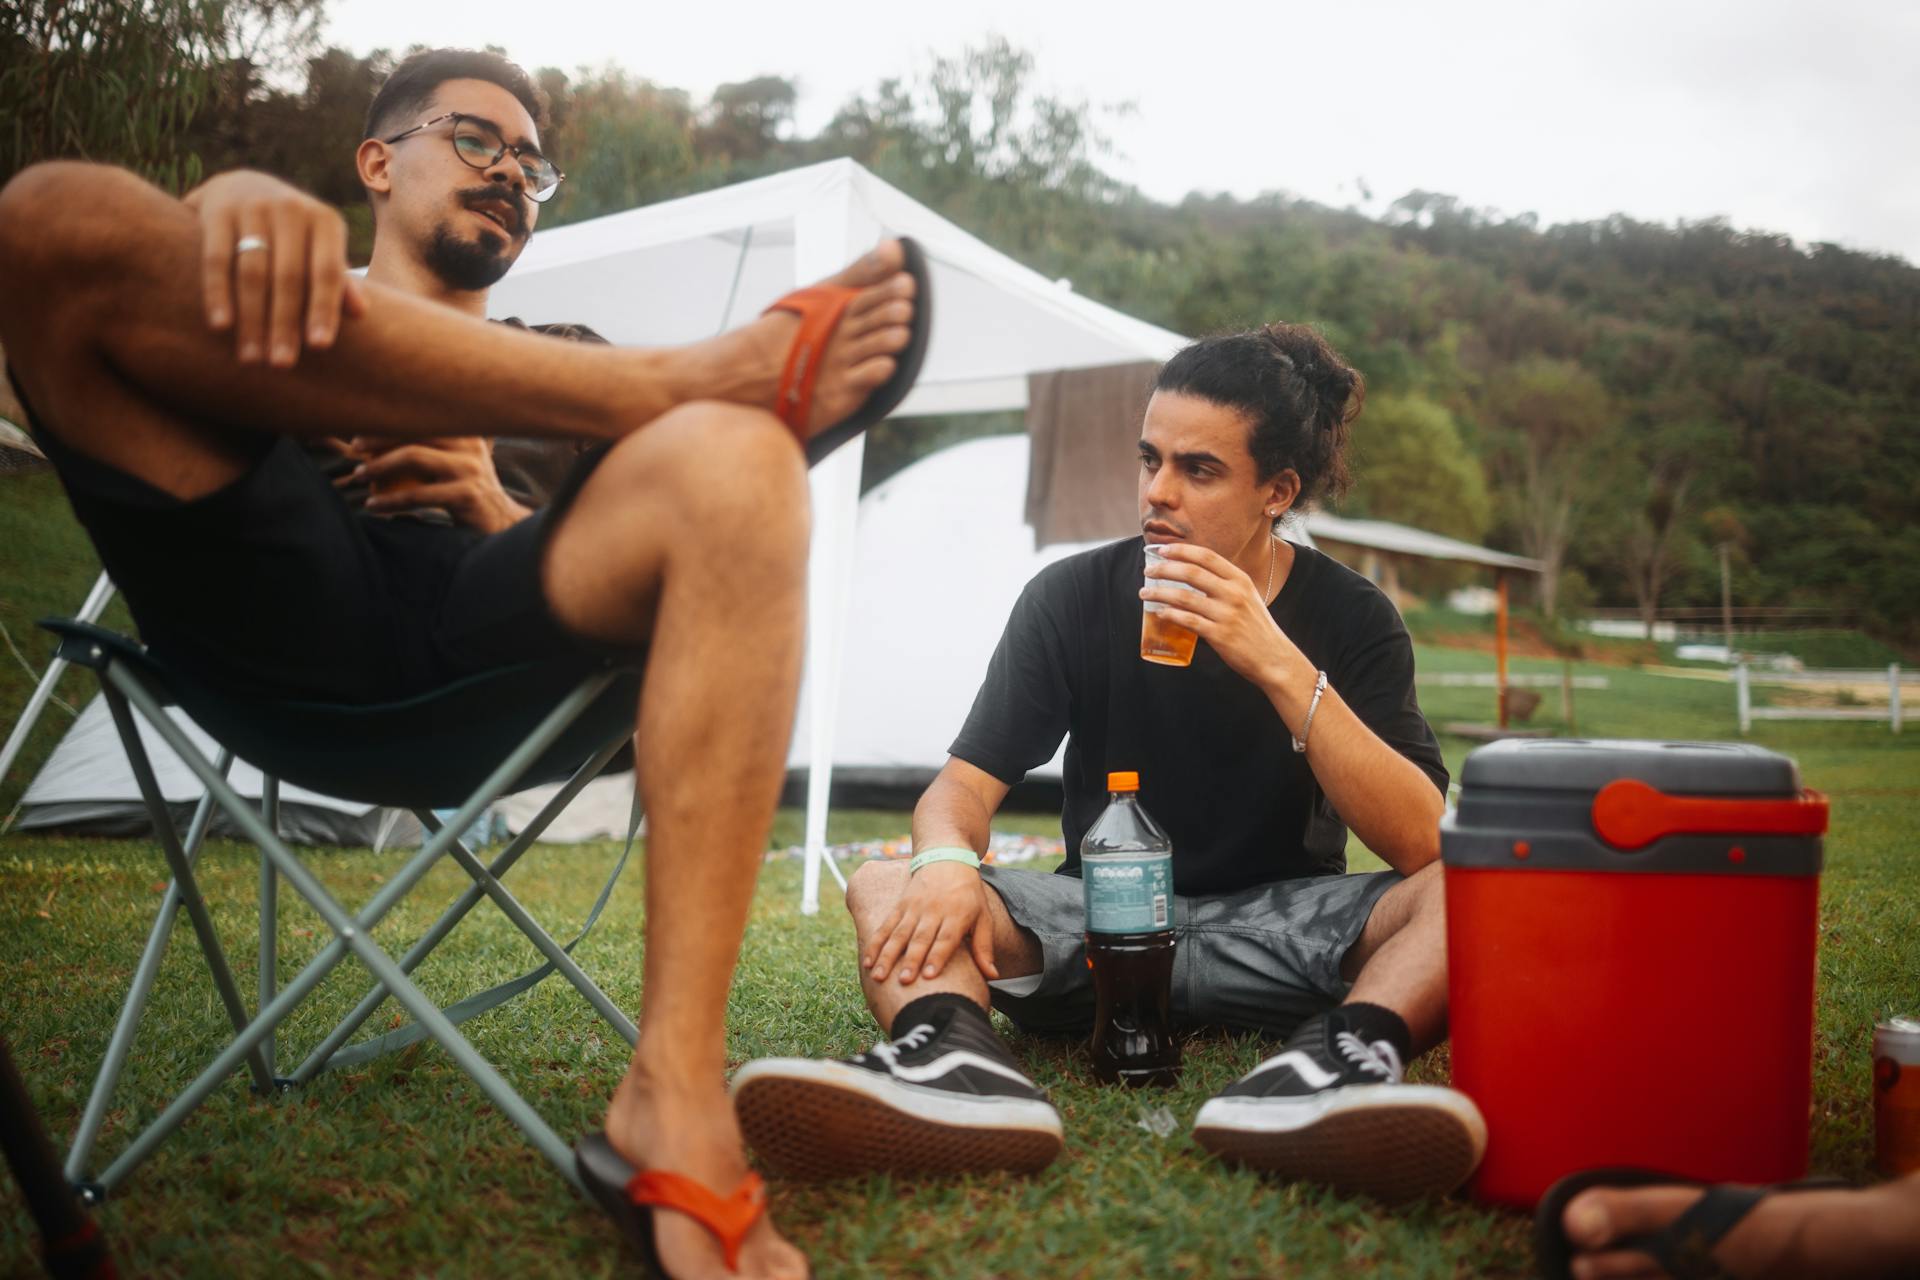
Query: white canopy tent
[(685, 269)]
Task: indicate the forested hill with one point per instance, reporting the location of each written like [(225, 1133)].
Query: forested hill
[(1617, 398)]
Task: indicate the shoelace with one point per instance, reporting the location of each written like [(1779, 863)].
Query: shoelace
[(1364, 1056), (889, 1053)]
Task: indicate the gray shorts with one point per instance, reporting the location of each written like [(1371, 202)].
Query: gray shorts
[(1263, 959)]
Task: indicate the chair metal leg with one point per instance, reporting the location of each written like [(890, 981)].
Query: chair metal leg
[(81, 1151), (183, 871), (349, 931), (316, 1062), (269, 910), (71, 1244), (541, 939)]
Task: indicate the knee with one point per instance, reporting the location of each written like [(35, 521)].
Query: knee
[(66, 228), (725, 467), (53, 210), (872, 890), (1429, 889)]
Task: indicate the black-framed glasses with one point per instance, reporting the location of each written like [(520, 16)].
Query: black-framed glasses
[(478, 142)]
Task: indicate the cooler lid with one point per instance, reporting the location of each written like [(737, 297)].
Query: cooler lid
[(1587, 764)]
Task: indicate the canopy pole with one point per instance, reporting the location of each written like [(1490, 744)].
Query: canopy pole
[(827, 233), (90, 611), (1500, 648)]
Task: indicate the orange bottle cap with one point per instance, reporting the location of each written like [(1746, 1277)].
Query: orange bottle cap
[(1123, 782)]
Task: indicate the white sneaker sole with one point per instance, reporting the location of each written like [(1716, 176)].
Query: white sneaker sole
[(1394, 1142), (815, 1119)]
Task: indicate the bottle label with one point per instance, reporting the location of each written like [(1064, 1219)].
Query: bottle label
[(1128, 892)]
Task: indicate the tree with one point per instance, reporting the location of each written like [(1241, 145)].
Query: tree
[(1649, 550), (108, 80), (623, 142), (975, 139), (1551, 417), (1412, 467), (744, 124)]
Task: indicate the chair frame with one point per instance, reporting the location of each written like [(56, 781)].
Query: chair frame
[(253, 1045)]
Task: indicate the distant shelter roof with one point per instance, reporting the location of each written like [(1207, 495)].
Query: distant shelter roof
[(1379, 535)]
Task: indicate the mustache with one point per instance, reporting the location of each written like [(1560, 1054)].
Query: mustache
[(474, 197)]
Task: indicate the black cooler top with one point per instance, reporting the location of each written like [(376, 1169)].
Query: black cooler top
[(1633, 805)]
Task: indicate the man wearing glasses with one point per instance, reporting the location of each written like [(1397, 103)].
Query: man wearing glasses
[(471, 480), (174, 357)]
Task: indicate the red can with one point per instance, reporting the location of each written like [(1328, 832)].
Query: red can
[(1896, 1097), (1631, 930)]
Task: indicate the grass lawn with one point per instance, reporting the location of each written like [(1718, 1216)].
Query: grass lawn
[(402, 1168)]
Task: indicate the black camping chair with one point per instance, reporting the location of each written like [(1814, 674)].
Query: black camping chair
[(460, 747)]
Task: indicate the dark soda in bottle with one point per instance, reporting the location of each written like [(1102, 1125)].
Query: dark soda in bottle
[(1126, 875)]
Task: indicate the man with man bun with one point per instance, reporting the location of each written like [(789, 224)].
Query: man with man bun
[(1296, 722)]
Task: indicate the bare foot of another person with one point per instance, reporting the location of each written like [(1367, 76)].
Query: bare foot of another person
[(693, 1133), (1833, 1234)]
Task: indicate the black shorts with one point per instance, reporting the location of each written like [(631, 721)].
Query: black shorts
[(277, 585)]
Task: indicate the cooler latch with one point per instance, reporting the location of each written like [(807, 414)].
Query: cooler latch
[(1629, 814)]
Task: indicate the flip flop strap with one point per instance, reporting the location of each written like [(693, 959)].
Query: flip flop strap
[(729, 1219), (819, 307), (1684, 1247)]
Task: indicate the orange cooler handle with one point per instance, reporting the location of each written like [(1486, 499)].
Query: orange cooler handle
[(1629, 814)]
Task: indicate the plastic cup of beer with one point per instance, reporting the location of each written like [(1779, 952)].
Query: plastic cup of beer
[(1161, 641)]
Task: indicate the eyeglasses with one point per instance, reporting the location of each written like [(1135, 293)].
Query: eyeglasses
[(478, 142)]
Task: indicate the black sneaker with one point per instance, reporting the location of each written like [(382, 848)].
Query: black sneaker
[(1330, 1108), (946, 1097)]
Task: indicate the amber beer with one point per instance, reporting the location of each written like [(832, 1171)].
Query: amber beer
[(1161, 641), (1896, 1097)]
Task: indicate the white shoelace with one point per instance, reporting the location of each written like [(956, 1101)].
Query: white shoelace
[(1376, 1059), (889, 1052)]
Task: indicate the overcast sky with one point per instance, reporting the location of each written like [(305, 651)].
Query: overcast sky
[(1799, 118)]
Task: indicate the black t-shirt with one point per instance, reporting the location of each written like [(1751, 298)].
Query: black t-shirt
[(1216, 762)]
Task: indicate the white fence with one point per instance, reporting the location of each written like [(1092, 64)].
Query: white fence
[(1844, 679)]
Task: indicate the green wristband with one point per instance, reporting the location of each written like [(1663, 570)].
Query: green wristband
[(943, 853)]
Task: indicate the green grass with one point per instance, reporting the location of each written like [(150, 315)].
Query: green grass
[(1814, 647), (46, 568), (402, 1169)]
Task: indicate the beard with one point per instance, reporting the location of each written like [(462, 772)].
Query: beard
[(469, 265)]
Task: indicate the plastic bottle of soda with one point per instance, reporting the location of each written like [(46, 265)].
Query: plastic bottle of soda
[(1126, 873)]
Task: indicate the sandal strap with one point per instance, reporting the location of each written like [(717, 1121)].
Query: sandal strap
[(819, 307), (1684, 1247), (728, 1218)]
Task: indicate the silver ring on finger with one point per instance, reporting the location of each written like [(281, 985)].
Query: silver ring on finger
[(247, 244)]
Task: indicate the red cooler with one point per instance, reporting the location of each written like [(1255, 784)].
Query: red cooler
[(1630, 948)]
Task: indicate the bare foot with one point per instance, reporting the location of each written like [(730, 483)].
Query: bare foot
[(876, 326), (1834, 1234), (693, 1132)]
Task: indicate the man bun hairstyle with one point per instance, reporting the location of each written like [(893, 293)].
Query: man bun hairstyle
[(404, 97), (1298, 394)]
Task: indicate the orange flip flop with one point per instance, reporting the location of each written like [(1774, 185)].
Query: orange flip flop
[(820, 308), (630, 1196)]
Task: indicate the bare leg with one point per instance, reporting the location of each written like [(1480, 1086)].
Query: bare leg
[(102, 322), (872, 891), (692, 536), (1400, 959), (1838, 1234)]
